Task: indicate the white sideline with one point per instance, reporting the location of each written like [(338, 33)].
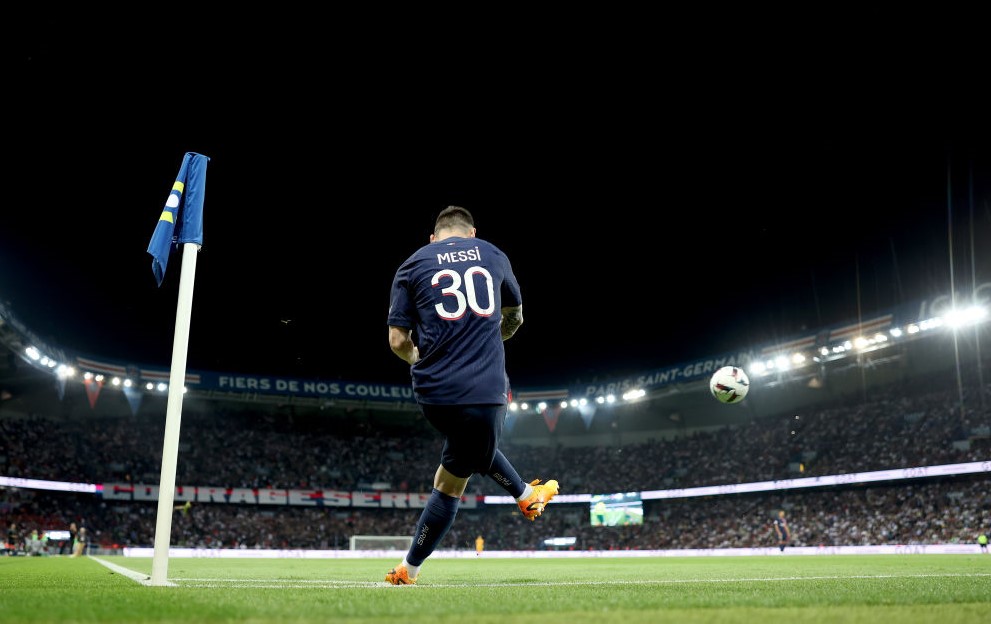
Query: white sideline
[(214, 583), (884, 549)]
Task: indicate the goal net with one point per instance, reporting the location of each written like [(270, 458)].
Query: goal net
[(381, 542)]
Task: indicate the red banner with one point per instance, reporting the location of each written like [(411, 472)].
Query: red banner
[(93, 387)]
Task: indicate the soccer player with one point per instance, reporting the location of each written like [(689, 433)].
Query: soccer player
[(66, 545), (13, 539), (452, 304), (782, 530), (79, 546), (479, 545), (982, 541)]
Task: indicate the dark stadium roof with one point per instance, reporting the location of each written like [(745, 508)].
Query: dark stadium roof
[(645, 230)]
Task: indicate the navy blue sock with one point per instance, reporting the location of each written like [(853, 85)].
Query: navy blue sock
[(435, 520), (503, 473)]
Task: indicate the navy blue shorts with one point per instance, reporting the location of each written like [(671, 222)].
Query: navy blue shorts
[(471, 435)]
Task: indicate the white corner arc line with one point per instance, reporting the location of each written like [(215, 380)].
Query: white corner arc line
[(139, 577)]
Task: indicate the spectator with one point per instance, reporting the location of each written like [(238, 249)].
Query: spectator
[(35, 544)]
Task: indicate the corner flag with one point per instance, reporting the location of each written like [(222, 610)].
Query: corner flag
[(182, 218), (181, 223)]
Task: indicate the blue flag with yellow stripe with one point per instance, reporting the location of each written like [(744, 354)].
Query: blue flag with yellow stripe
[(182, 218)]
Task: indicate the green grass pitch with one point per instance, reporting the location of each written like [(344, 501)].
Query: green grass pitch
[(870, 589)]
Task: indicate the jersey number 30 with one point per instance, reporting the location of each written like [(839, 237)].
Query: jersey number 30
[(468, 298)]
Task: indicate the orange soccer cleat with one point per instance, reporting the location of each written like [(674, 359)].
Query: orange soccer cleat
[(399, 575), (542, 494)]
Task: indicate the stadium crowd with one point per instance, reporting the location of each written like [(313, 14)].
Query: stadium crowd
[(894, 429), (923, 512)]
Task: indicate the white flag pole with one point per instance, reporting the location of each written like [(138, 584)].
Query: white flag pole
[(173, 417)]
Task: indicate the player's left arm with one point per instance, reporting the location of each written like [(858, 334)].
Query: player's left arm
[(401, 343)]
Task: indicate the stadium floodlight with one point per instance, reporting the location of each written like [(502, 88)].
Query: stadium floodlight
[(971, 315), (631, 395), (33, 353), (931, 323)]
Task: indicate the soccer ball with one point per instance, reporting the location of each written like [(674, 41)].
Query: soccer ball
[(729, 384)]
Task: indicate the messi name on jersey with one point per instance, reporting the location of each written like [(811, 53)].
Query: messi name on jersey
[(463, 255)]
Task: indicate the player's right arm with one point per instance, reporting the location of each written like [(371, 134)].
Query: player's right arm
[(512, 318)]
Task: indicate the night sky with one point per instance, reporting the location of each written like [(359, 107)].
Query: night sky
[(647, 227)]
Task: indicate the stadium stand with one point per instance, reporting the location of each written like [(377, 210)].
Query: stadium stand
[(919, 411)]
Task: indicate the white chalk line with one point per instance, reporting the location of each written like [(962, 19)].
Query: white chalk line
[(144, 579)]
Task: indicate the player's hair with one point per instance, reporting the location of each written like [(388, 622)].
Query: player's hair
[(454, 217)]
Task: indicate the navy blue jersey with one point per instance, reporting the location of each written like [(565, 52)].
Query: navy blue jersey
[(781, 526), (451, 293)]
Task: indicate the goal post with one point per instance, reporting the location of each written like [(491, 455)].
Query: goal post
[(381, 542)]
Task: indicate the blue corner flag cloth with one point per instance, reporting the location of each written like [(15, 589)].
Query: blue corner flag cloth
[(182, 218)]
